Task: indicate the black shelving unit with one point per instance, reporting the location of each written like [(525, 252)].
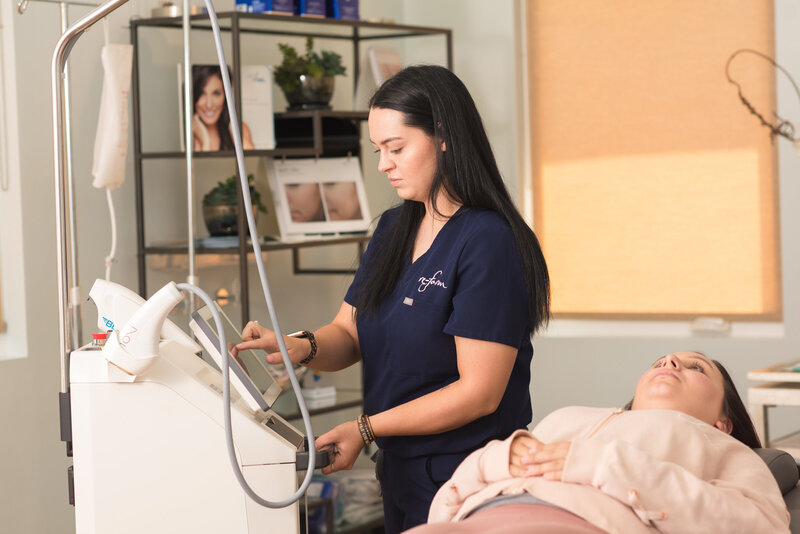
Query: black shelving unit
[(317, 133), (317, 144)]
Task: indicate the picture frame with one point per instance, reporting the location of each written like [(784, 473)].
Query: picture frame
[(258, 128), (319, 196), (384, 63), (377, 65)]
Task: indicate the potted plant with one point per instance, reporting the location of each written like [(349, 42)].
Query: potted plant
[(221, 206), (307, 80)]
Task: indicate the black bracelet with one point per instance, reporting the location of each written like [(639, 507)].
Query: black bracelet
[(305, 334)]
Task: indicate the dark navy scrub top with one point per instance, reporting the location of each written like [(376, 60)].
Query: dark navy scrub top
[(468, 284)]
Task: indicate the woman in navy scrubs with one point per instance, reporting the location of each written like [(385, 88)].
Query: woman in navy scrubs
[(444, 303)]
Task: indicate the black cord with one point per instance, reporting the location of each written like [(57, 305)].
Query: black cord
[(780, 126)]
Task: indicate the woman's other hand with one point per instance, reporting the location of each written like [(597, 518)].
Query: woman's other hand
[(202, 141), (530, 457), (255, 336), (346, 442)]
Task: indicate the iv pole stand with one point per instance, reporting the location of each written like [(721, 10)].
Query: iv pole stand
[(74, 291), (62, 166), (60, 55)]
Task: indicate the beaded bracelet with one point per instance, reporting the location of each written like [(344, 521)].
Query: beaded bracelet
[(365, 428), (369, 427)]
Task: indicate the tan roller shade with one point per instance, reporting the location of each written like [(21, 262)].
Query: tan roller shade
[(655, 190)]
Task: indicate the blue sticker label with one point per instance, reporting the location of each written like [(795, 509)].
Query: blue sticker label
[(108, 322)]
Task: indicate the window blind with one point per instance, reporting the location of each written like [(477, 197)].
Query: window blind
[(655, 191)]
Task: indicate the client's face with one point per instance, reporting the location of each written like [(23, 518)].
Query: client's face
[(687, 382)]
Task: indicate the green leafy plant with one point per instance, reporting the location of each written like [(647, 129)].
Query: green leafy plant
[(225, 194), (287, 74)]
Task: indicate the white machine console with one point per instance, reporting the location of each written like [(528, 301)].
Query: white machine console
[(150, 456)]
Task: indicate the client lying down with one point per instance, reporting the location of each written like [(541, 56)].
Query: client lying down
[(678, 460)]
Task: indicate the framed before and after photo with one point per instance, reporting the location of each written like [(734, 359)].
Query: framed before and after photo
[(319, 196)]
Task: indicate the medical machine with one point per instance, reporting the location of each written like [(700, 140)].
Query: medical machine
[(149, 449), (149, 423)]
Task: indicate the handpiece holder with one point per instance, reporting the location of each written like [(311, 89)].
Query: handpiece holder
[(134, 347), (116, 304)]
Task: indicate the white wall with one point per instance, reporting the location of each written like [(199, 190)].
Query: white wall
[(567, 370)]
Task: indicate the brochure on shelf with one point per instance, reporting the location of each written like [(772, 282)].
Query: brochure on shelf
[(257, 104)]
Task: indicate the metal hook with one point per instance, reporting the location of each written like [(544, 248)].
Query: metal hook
[(22, 5)]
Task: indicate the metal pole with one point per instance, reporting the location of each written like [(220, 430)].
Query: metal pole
[(75, 290), (187, 129), (60, 55), (137, 163), (244, 281)]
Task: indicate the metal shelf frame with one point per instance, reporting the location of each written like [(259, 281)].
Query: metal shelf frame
[(270, 25)]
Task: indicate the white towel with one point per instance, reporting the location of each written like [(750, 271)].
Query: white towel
[(111, 143)]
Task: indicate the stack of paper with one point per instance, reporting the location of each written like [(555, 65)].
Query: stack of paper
[(319, 397)]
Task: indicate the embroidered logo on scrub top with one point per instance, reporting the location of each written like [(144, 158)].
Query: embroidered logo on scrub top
[(432, 281)]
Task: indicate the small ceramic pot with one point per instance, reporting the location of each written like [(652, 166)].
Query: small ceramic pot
[(312, 93), (223, 219)]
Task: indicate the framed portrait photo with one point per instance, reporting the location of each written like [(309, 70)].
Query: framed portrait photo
[(319, 196), (211, 123)]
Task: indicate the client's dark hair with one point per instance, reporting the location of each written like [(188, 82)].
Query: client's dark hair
[(434, 100), (734, 409)]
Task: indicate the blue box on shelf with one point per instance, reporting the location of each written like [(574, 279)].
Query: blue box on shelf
[(343, 9), (283, 7), (311, 8), (244, 6)]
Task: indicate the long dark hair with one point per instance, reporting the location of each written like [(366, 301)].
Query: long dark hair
[(434, 100), (733, 408), (200, 76)]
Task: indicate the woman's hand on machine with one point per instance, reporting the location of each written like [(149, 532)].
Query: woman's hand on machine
[(529, 457), (255, 336), (346, 440)]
